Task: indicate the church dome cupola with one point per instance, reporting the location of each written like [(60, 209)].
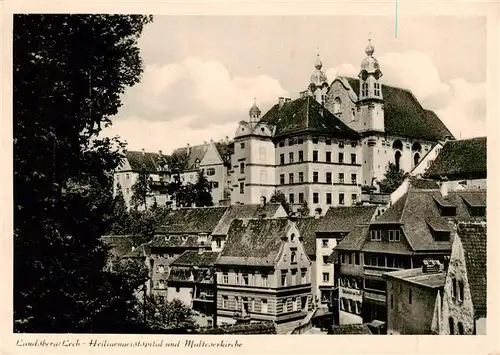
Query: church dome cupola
[(318, 77), (254, 112), (370, 65)]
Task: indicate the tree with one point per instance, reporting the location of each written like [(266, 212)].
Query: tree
[(185, 195), (69, 72), (120, 217), (279, 197), (304, 209), (202, 191), (141, 189), (161, 315), (393, 178)]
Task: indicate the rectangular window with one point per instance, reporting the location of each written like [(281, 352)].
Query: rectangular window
[(290, 178), (324, 243), (214, 184), (242, 145), (218, 242), (303, 276), (341, 199), (354, 179), (328, 141), (409, 296), (290, 157), (391, 236), (315, 140), (326, 277), (301, 177), (342, 258), (301, 155), (237, 279), (341, 178), (329, 178), (356, 259), (300, 141), (282, 159), (161, 269), (245, 279), (264, 280), (264, 306), (242, 168), (301, 197), (354, 199), (315, 155), (242, 187), (291, 199), (392, 301), (225, 302), (210, 171), (329, 157), (315, 197), (315, 176), (291, 141), (283, 278), (325, 259), (460, 291), (328, 198), (341, 144), (282, 143), (161, 284), (353, 143), (282, 179), (375, 235), (396, 236), (353, 158), (341, 158)]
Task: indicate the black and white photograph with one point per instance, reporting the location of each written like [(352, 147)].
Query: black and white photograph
[(249, 175)]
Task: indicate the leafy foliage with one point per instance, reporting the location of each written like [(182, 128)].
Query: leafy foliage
[(161, 315), (393, 178), (120, 217), (279, 197), (202, 191), (304, 209), (68, 73), (141, 190)]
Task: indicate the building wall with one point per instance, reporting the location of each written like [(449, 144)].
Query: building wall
[(182, 293), (460, 311), (348, 112), (427, 160), (322, 268), (404, 317)]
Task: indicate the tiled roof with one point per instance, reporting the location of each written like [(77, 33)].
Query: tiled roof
[(463, 159), (307, 228), (306, 115), (242, 329), (417, 276), (350, 329), (404, 116), (146, 159), (419, 215), (120, 244), (225, 151), (344, 219), (355, 239), (422, 184), (254, 241), (244, 211), (195, 258), (179, 241), (473, 238), (191, 220), (196, 152), (190, 274), (141, 251)]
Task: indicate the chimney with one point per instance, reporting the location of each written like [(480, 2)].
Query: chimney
[(281, 101), (262, 201), (444, 189), (143, 151), (188, 148), (160, 152)]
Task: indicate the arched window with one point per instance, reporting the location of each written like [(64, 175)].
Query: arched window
[(416, 147), (416, 159), (397, 158), (397, 145), (336, 105), (292, 237), (293, 256), (460, 327), (452, 326)]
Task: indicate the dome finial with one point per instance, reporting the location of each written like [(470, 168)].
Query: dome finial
[(318, 65), (369, 48)]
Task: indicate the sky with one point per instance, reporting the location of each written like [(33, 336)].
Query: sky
[(202, 73)]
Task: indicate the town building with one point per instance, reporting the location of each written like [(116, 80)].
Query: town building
[(154, 164), (183, 229), (461, 164), (411, 298), (213, 158), (191, 280), (462, 308), (413, 229), (263, 274)]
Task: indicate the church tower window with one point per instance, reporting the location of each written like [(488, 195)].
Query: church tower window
[(416, 159), (336, 105), (397, 159)]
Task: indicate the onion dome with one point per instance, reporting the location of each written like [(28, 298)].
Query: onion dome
[(254, 111), (318, 77), (369, 48), (370, 65)]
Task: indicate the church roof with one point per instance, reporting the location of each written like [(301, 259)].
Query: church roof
[(404, 116), (306, 115), (191, 220), (463, 159)]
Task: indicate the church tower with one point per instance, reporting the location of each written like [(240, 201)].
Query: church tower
[(318, 85), (370, 98), (254, 112)]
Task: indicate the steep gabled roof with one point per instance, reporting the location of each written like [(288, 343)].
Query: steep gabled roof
[(404, 116), (473, 238), (193, 153), (344, 219), (418, 213), (254, 241), (463, 159), (354, 240), (307, 227), (139, 159), (191, 220), (195, 258), (179, 241), (306, 115), (244, 211)]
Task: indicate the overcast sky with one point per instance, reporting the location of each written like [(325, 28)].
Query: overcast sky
[(202, 73)]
